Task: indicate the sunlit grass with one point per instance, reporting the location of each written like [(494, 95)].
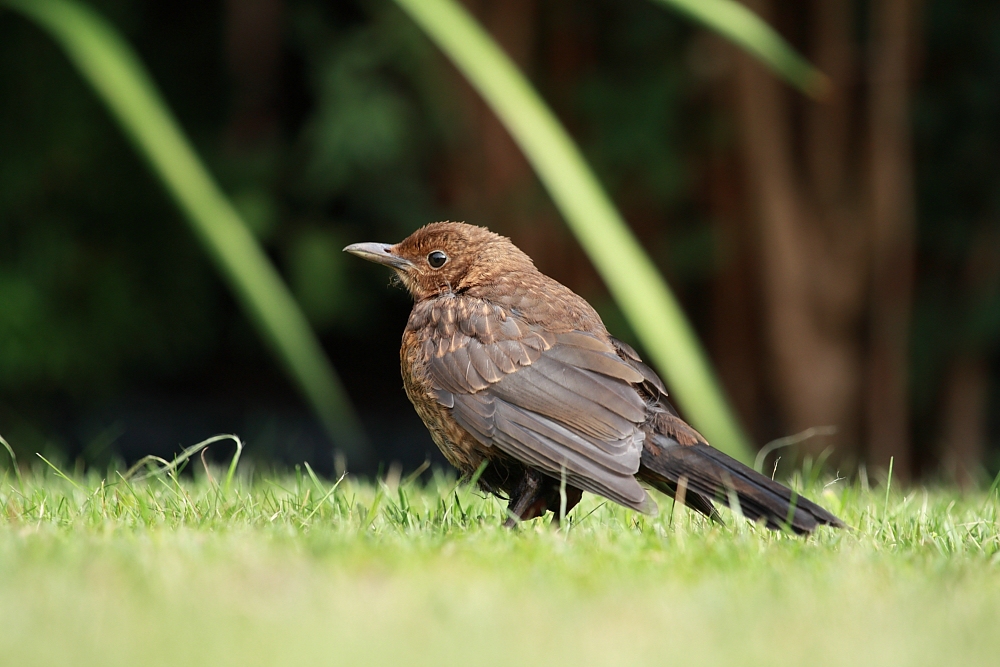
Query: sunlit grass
[(293, 569)]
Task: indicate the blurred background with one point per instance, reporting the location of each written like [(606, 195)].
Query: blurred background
[(840, 260)]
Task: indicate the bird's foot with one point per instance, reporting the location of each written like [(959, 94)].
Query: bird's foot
[(527, 501)]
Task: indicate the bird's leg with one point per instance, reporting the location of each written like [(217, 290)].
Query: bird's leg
[(554, 502), (528, 500)]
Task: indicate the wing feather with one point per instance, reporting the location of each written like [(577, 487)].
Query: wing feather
[(579, 470), (532, 389), (608, 392), (563, 403), (618, 457), (483, 363)]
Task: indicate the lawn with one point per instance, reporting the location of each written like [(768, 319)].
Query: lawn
[(289, 569)]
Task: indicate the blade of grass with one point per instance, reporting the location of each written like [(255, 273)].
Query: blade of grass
[(742, 27), (888, 487), (788, 441), (409, 479), (333, 489), (313, 477), (232, 465), (114, 71), (13, 458), (61, 474), (373, 510), (170, 467), (633, 280)]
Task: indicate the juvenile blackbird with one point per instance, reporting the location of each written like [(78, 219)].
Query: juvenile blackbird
[(507, 366)]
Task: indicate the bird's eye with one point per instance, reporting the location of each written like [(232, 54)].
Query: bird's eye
[(437, 259)]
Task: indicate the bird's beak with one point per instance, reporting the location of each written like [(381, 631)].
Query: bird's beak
[(380, 253)]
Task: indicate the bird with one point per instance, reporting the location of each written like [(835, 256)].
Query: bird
[(523, 389)]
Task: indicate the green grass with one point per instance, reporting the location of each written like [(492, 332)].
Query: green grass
[(282, 570)]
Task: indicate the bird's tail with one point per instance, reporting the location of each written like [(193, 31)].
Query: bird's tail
[(706, 474)]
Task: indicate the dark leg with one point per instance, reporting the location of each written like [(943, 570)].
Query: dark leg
[(528, 500), (536, 494), (573, 496)]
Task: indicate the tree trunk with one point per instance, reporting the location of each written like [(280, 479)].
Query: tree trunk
[(964, 420), (892, 257), (735, 339), (253, 51), (811, 249)]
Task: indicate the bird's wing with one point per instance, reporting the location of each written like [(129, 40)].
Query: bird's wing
[(662, 416), (560, 402)]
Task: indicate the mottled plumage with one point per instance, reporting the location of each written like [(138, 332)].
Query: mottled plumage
[(506, 365)]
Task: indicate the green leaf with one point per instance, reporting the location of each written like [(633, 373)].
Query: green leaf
[(742, 27), (114, 71), (630, 275)]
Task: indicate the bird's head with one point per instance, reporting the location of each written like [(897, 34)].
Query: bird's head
[(447, 257)]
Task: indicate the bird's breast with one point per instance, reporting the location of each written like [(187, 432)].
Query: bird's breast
[(461, 449)]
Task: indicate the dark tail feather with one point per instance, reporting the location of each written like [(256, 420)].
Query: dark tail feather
[(709, 474)]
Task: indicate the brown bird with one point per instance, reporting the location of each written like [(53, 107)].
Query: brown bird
[(510, 368)]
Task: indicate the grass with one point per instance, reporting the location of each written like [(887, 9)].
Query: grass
[(282, 570)]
